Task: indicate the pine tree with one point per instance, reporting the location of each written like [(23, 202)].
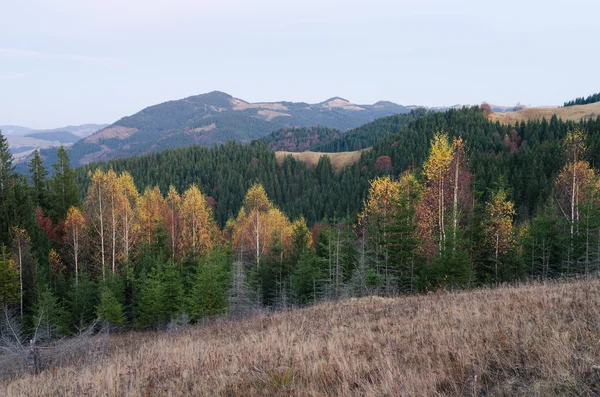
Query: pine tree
[(110, 310), (7, 193), (39, 179), (63, 188), (209, 293)]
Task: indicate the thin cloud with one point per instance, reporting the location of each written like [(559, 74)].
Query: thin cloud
[(13, 76), (13, 54)]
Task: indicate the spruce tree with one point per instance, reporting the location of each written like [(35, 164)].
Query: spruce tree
[(63, 188)]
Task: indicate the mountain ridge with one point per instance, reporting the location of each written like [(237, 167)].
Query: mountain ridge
[(215, 118)]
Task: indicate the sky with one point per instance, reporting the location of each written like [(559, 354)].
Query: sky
[(69, 62)]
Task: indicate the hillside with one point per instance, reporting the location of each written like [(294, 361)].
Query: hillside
[(572, 113), (61, 136), (369, 134), (216, 118), (299, 139), (529, 340), (339, 160)]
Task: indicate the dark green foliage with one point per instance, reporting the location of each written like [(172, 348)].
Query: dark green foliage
[(584, 101), (452, 268), (7, 192), (110, 310), (160, 296), (39, 182), (82, 300), (300, 139), (307, 279), (63, 189), (208, 296), (49, 316), (369, 134)]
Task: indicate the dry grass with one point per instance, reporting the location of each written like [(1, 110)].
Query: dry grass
[(339, 160), (574, 113), (531, 340)]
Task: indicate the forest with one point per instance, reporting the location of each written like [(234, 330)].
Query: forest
[(450, 201), (584, 100)]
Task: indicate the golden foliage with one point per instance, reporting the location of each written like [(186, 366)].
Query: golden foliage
[(198, 228), (499, 230)]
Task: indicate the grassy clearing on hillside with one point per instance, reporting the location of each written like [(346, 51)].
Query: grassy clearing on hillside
[(338, 160), (574, 113), (529, 340)]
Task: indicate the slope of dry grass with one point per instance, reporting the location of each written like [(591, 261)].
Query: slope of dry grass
[(574, 113), (338, 160), (530, 340)]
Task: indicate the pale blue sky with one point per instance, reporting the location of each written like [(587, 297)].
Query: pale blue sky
[(77, 61)]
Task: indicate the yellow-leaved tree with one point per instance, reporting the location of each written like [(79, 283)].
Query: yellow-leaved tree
[(258, 224), (75, 230), (198, 228), (499, 228)]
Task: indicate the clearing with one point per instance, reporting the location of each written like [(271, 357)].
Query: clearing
[(339, 160)]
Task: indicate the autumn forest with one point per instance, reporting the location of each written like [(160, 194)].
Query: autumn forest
[(443, 201)]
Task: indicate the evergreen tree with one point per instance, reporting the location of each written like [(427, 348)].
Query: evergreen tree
[(63, 188), (208, 296), (39, 179), (7, 193), (49, 316), (110, 309)]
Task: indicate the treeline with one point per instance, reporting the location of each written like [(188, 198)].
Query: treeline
[(584, 101), (156, 258)]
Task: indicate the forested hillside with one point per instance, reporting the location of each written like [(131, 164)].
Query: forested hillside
[(367, 135), (300, 139), (451, 200)]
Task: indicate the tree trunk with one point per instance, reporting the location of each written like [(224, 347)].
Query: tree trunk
[(101, 232), (21, 276), (76, 253), (455, 204)]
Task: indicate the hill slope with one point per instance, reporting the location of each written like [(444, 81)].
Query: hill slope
[(573, 113), (61, 136), (299, 139), (215, 118), (528, 340)]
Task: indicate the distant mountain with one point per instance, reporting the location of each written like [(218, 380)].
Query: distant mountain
[(215, 118), (23, 141), (80, 130), (61, 136)]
